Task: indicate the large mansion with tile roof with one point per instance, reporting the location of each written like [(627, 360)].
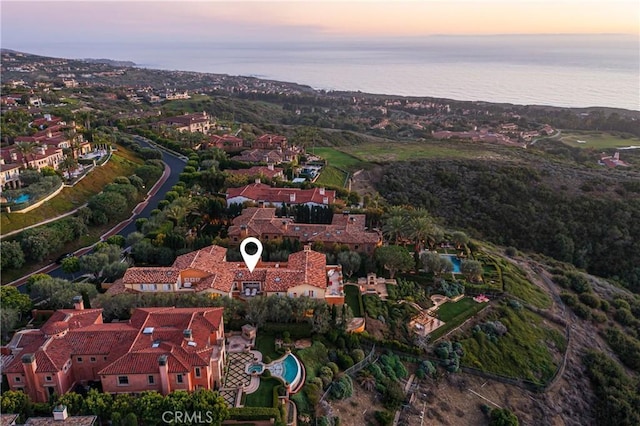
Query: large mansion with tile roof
[(199, 122), (161, 349), (260, 193), (305, 273), (347, 229)]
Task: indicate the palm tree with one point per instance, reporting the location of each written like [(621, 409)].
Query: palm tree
[(68, 164), (367, 380), (25, 148), (395, 228)]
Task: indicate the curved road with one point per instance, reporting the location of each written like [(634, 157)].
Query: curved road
[(175, 165)]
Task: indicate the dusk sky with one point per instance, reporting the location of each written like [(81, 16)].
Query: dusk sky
[(26, 23)]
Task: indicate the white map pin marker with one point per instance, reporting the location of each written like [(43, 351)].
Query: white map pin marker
[(251, 260)]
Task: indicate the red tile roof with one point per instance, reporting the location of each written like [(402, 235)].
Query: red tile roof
[(128, 349), (258, 170), (344, 228), (151, 275), (262, 192)]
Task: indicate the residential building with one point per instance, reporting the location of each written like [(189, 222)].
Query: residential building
[(161, 349), (9, 175), (269, 171), (275, 156), (207, 270), (346, 229), (198, 122), (42, 156), (269, 141), (612, 161), (269, 196), (224, 142)]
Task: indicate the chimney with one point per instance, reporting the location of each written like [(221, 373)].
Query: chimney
[(270, 166), (188, 335), (164, 375), (292, 197), (307, 247), (41, 150), (14, 156), (284, 225), (243, 231), (322, 191), (257, 181), (78, 303), (325, 200), (49, 133), (29, 365), (60, 413)]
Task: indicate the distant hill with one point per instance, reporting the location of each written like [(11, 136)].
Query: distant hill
[(112, 62)]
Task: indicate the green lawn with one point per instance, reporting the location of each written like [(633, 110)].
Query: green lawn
[(382, 152), (266, 343), (352, 298), (526, 351), (337, 158), (448, 310), (454, 314), (598, 140), (263, 397), (122, 163), (331, 176)]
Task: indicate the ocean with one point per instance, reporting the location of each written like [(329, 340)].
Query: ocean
[(559, 70)]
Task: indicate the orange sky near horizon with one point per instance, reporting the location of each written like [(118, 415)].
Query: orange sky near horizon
[(319, 19), (414, 18)]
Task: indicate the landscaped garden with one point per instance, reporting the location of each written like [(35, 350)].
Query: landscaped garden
[(353, 299), (264, 396)]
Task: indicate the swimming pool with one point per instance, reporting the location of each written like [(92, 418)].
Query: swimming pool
[(288, 369), (255, 368), (456, 262), (22, 198)]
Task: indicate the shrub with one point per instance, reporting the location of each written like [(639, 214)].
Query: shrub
[(590, 300)]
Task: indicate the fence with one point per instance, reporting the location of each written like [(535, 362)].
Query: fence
[(354, 369)]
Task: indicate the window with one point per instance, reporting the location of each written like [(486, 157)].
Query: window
[(197, 371), (167, 287), (18, 379), (48, 379), (179, 378), (151, 380), (79, 359), (123, 380), (104, 358), (92, 359), (311, 293)]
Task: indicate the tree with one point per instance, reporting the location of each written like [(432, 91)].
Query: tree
[(435, 263), (98, 404), (395, 228), (94, 263), (205, 400), (9, 318), (111, 204), (26, 149), (394, 259), (459, 238), (70, 265), (14, 402), (350, 261), (150, 406), (472, 269), (36, 246), (68, 164), (257, 310), (502, 417), (367, 380), (73, 401), (320, 323), (11, 298), (11, 255)]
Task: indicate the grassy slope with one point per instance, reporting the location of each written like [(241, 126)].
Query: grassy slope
[(332, 176), (352, 299), (593, 139), (122, 163), (524, 352), (337, 158), (383, 152)]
